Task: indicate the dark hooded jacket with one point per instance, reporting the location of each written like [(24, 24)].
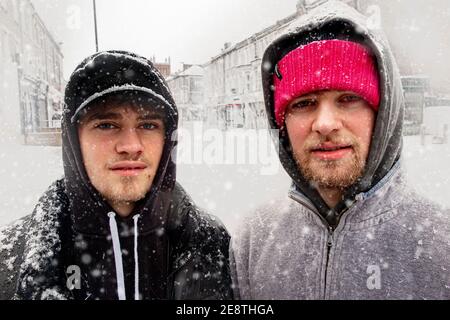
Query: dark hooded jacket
[(168, 247), (382, 241)]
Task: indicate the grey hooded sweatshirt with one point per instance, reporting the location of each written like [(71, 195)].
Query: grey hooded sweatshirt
[(383, 241)]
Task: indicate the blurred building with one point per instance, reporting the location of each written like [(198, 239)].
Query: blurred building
[(416, 89), (187, 90), (303, 6), (163, 67), (31, 90), (233, 90), (437, 101)]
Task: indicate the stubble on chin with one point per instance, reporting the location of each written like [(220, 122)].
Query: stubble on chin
[(331, 174), (127, 189)]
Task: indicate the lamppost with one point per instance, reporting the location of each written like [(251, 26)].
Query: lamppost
[(95, 25)]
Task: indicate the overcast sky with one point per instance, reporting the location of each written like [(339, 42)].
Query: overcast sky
[(187, 31)]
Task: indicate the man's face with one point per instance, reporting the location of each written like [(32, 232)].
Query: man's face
[(121, 148), (330, 134)]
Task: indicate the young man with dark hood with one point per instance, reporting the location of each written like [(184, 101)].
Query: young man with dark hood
[(351, 227), (118, 225)]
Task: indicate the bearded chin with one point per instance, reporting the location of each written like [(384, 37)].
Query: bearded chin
[(331, 174)]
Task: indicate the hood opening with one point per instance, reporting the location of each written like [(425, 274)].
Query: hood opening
[(386, 140), (88, 207)]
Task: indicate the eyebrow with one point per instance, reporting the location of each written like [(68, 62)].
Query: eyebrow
[(102, 116), (151, 116), (117, 116)]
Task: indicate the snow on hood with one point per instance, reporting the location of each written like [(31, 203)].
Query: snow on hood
[(89, 62), (335, 19)]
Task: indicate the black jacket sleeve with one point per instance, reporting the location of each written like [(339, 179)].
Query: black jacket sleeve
[(12, 242), (200, 259)]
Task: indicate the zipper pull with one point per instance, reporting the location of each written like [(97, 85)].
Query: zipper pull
[(330, 237), (359, 197)]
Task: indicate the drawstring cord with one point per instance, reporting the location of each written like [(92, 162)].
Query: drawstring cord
[(136, 260), (118, 257)]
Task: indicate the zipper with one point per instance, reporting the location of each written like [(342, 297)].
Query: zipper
[(330, 238), (329, 246), (330, 230)]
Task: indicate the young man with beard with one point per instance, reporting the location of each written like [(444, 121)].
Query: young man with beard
[(118, 225), (351, 227)]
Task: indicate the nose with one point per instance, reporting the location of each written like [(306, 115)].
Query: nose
[(327, 118), (129, 142)]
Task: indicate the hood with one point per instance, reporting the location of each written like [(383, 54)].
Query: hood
[(335, 20), (97, 76)]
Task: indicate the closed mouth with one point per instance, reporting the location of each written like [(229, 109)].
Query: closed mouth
[(329, 148), (128, 165), (128, 168)]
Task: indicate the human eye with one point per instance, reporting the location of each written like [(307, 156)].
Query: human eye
[(348, 98), (303, 104), (148, 126), (152, 125), (105, 126)]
